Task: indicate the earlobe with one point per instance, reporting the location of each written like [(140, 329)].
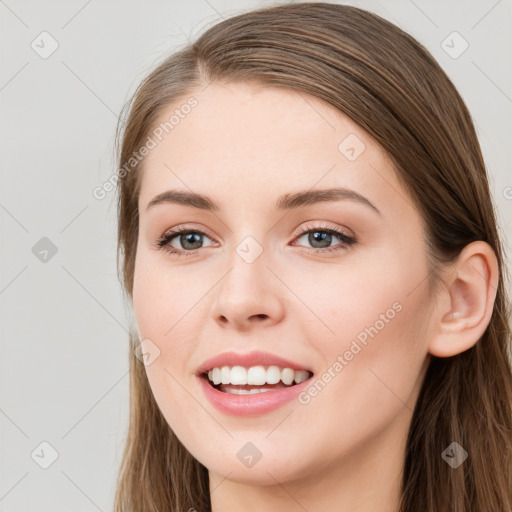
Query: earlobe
[(466, 301)]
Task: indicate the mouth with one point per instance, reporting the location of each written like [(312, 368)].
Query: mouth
[(239, 380)]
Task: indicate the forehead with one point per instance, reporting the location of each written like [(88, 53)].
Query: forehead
[(256, 142)]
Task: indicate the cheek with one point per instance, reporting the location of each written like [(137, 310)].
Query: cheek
[(163, 300), (381, 301), (166, 318), (373, 360)]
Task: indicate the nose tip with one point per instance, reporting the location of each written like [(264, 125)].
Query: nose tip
[(248, 296)]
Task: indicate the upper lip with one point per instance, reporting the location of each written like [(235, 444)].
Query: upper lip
[(256, 358)]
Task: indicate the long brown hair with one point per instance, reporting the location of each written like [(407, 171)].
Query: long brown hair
[(390, 85)]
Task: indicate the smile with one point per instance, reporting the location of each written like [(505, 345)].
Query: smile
[(228, 389), (255, 379)]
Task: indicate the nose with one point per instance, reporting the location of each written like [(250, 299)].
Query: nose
[(249, 295)]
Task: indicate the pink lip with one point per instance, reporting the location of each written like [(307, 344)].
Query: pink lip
[(255, 404), (255, 358), (250, 405)]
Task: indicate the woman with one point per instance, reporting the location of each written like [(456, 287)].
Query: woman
[(309, 245)]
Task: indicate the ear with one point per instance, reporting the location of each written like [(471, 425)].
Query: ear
[(465, 301)]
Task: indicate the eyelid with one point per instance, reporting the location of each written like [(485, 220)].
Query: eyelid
[(188, 227), (322, 225)]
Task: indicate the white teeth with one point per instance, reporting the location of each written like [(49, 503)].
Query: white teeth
[(301, 375), (238, 375), (225, 375), (273, 374), (287, 376), (256, 375)]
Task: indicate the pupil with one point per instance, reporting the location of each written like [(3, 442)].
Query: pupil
[(324, 238), (192, 238)]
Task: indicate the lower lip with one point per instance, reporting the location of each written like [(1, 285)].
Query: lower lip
[(251, 405)]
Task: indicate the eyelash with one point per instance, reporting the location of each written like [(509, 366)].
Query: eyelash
[(164, 241)]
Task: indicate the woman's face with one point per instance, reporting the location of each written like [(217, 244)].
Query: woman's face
[(262, 272)]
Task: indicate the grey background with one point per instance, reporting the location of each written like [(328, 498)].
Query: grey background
[(64, 367)]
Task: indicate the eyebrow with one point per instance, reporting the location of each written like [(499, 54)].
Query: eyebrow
[(285, 202)]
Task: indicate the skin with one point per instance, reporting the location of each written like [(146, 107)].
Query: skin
[(245, 145)]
